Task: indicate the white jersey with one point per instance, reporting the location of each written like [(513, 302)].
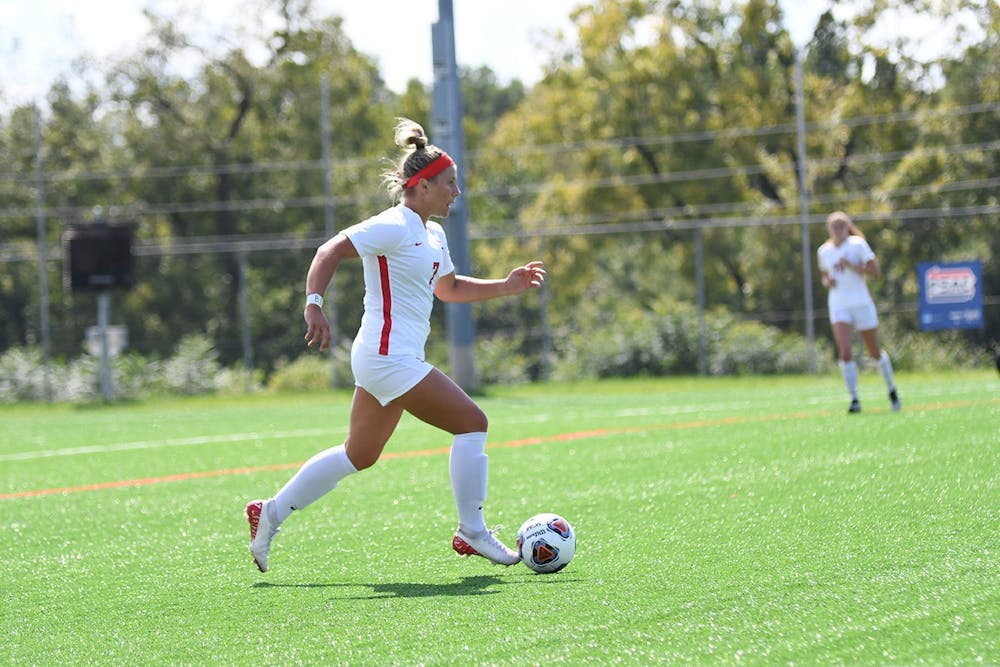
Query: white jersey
[(403, 261), (850, 289)]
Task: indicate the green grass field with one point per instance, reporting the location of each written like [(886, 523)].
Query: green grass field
[(736, 521)]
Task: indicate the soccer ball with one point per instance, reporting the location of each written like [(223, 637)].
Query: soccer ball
[(546, 543)]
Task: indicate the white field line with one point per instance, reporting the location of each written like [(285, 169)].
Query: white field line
[(169, 442), (683, 409), (922, 393)]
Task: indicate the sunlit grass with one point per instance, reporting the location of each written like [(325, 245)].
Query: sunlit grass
[(719, 521)]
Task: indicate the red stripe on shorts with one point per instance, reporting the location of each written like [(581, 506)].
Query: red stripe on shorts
[(383, 272)]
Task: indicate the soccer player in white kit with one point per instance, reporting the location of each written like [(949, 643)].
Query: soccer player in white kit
[(846, 260), (406, 264)]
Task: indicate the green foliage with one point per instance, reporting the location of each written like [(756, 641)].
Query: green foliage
[(313, 371), (665, 341), (654, 118), (234, 380), (192, 369), (22, 376), (928, 351), (500, 360), (752, 348), (308, 372), (716, 84), (132, 376)]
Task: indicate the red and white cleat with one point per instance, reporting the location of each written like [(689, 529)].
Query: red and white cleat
[(485, 545), (262, 531)]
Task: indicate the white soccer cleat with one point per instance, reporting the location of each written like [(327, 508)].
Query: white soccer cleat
[(262, 531), (486, 545)]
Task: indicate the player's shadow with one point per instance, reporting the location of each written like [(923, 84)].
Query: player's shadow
[(479, 585)]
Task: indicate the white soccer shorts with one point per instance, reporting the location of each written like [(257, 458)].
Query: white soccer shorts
[(387, 377), (863, 317)]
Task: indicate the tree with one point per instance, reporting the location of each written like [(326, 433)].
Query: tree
[(232, 122), (685, 112), (967, 177), (657, 117)]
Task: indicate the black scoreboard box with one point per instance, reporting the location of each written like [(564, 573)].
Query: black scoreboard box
[(98, 256)]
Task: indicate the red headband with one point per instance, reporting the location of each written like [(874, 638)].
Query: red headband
[(432, 169)]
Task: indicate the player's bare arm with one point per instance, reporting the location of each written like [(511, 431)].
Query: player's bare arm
[(465, 289), (328, 257)]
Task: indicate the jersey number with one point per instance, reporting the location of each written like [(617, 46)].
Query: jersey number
[(437, 265)]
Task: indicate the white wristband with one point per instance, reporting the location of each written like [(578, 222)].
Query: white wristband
[(314, 299)]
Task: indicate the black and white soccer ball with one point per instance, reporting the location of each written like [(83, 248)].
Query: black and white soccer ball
[(546, 543)]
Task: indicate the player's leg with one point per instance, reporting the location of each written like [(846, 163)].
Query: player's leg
[(369, 430), (843, 334), (371, 425), (883, 362), (439, 401)]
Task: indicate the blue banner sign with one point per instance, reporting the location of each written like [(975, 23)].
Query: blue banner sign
[(951, 295)]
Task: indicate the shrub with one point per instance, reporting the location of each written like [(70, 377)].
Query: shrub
[(926, 350), (192, 369), (312, 371), (617, 341), (499, 360), (22, 375), (752, 348), (234, 380), (657, 342), (666, 342)]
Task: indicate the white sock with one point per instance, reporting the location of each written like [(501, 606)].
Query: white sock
[(468, 469), (317, 477), (849, 371), (885, 368)]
